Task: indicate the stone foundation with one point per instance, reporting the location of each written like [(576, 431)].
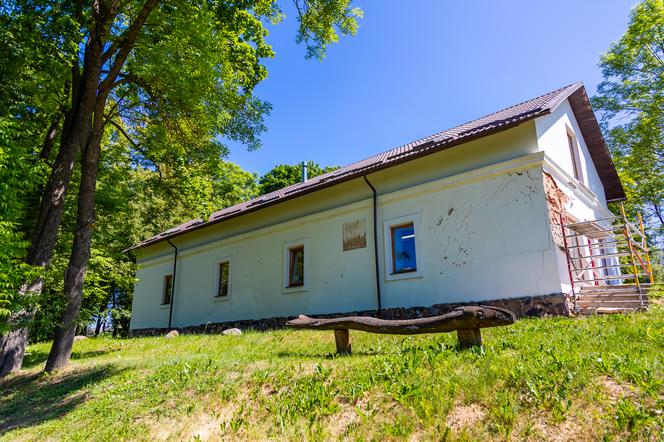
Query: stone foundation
[(556, 304)]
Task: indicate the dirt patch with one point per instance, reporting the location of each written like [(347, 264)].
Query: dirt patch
[(465, 416), (340, 422), (614, 389), (567, 430)]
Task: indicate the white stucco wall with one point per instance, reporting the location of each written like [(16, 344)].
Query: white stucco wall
[(552, 139), (480, 235), (586, 199)]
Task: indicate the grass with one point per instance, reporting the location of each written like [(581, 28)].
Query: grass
[(576, 379)]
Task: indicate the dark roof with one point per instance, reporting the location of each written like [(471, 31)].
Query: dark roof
[(492, 123)]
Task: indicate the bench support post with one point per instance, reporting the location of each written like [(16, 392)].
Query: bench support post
[(469, 337), (342, 339)]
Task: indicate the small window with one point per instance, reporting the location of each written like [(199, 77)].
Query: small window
[(224, 272), (167, 290), (296, 266), (403, 248), (574, 155)]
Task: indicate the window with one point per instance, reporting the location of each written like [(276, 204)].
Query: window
[(167, 290), (296, 266), (403, 248), (574, 155), (224, 269)]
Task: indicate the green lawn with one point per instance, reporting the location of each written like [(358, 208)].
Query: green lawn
[(576, 379)]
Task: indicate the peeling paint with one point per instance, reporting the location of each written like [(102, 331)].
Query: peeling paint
[(555, 201)]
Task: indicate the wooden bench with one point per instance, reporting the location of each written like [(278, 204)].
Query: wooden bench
[(466, 321)]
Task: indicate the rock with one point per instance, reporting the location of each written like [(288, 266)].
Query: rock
[(232, 332), (79, 338), (172, 334)]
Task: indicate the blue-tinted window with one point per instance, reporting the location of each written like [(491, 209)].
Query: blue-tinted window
[(403, 248)]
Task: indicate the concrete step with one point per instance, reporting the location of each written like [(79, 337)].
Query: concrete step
[(611, 288), (612, 304), (605, 311), (611, 297)]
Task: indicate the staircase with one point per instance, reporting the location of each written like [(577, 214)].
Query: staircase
[(609, 265), (610, 299)]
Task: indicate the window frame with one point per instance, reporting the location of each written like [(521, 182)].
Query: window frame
[(217, 279), (292, 258), (574, 153), (302, 244), (164, 278), (388, 228), (392, 246)]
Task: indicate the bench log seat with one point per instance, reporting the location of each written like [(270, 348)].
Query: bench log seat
[(466, 321)]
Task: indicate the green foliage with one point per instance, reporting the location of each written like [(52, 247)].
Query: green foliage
[(321, 21), (631, 101), (285, 175), (601, 376), (32, 62), (184, 90)]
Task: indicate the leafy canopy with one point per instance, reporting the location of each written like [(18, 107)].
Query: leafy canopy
[(631, 101)]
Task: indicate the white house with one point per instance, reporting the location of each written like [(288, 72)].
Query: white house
[(466, 215)]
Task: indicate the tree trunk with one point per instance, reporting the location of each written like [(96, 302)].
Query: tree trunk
[(49, 139), (12, 350), (76, 129), (98, 325), (75, 274)]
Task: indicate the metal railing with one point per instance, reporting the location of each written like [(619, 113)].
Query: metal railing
[(607, 252)]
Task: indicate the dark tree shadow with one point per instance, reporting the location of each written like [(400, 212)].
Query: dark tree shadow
[(35, 358), (33, 398)]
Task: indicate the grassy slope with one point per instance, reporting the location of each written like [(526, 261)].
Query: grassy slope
[(576, 378)]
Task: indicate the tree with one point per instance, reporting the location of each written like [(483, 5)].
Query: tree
[(132, 203), (631, 102), (285, 175), (176, 71), (31, 67)]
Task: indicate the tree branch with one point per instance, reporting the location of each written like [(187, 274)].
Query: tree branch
[(136, 145), (126, 45)]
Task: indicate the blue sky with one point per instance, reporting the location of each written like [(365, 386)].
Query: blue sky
[(418, 67)]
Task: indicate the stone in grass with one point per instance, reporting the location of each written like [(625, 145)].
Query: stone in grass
[(79, 338), (232, 332), (172, 334)]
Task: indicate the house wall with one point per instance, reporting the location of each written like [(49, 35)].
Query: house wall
[(481, 232), (585, 197), (481, 222)]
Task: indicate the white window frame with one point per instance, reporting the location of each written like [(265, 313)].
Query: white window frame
[(304, 242), (217, 273), (387, 242), (575, 155)]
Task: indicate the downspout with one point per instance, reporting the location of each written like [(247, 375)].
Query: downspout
[(375, 241), (175, 267)]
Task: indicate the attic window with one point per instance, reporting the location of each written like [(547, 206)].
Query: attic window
[(574, 155)]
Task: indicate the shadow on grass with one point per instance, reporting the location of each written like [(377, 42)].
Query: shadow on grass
[(34, 358), (33, 398), (311, 355)]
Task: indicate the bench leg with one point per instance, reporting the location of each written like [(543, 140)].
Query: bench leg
[(469, 338), (342, 339)]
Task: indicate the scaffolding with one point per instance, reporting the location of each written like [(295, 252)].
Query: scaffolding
[(607, 253)]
